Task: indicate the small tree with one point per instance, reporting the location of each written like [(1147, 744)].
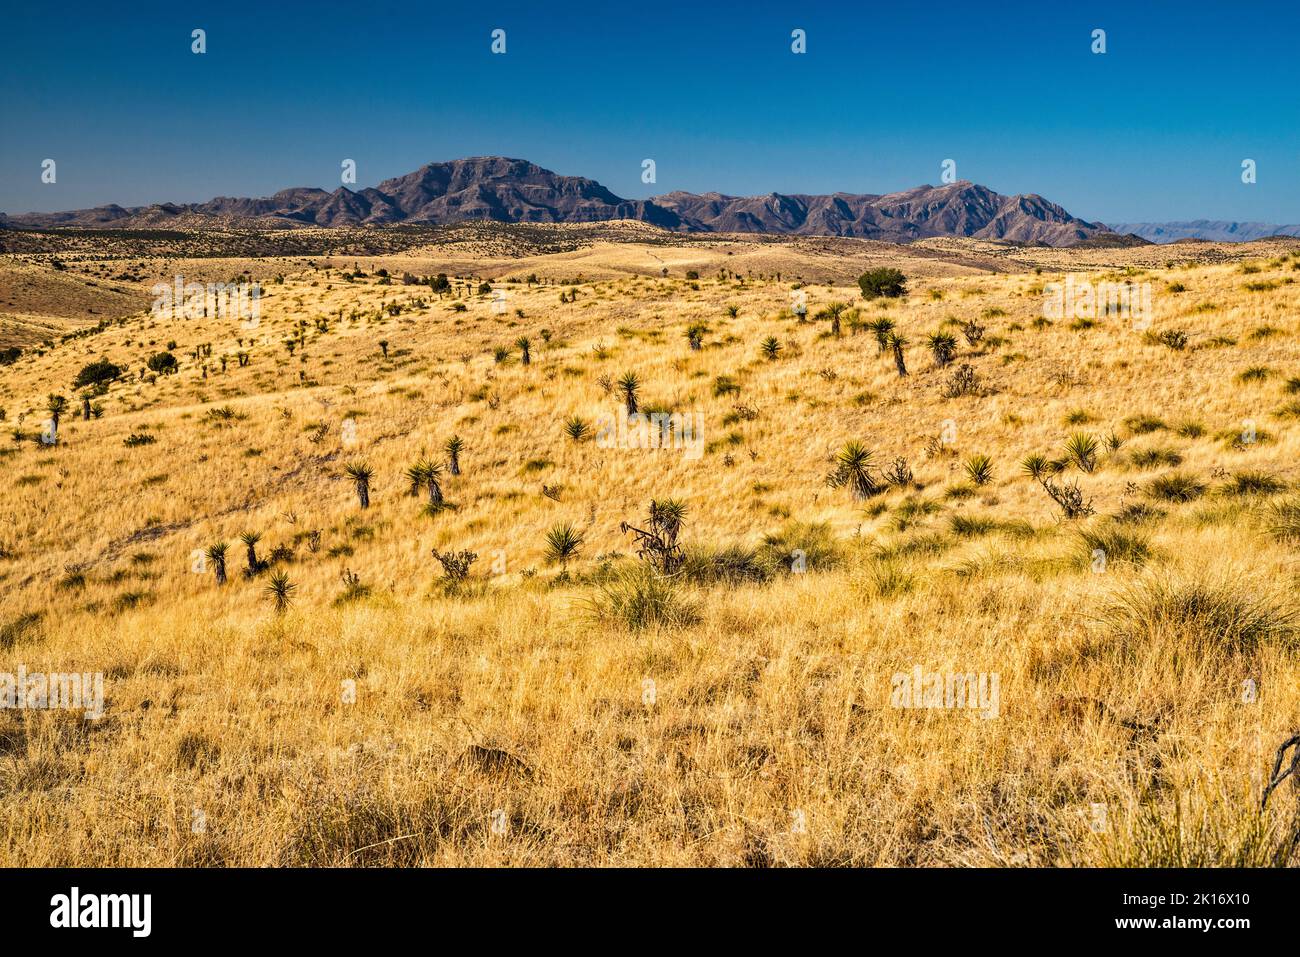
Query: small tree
[(432, 471), (834, 312), (162, 362), (97, 373), (884, 282), (383, 347)]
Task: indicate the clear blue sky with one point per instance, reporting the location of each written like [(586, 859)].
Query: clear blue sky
[(1154, 129)]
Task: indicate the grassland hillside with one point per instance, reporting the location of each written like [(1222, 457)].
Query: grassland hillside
[(1098, 511)]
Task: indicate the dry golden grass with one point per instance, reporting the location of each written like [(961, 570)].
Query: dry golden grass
[(758, 732)]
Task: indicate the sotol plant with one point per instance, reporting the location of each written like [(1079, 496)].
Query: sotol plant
[(576, 428), (979, 469), (563, 542)]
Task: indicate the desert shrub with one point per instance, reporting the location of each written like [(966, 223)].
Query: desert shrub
[(639, 597), (1224, 611), (1284, 520), (886, 578), (979, 469), (1155, 458), (1082, 449), (1144, 424), (728, 564), (22, 628), (814, 543), (912, 512), (1254, 374), (1118, 544), (1176, 487), (1135, 513), (1252, 483), (971, 526), (1224, 831), (963, 382)]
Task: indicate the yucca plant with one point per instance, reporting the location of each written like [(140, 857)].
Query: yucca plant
[(217, 555), (898, 343), (250, 540), (525, 349), (853, 466), (576, 428), (695, 335), (416, 475), (563, 543), (432, 471), (55, 405), (883, 329), (943, 346), (630, 386), (1081, 449), (657, 543), (360, 473), (834, 312), (979, 469), (770, 348), (280, 590), (455, 445)]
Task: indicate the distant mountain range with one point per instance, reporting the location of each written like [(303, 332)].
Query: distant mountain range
[(516, 191), (1213, 230)]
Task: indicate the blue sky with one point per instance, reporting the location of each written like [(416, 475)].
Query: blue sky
[(1154, 129)]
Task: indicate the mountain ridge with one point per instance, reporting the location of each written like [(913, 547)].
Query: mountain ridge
[(1210, 230), (504, 189)]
